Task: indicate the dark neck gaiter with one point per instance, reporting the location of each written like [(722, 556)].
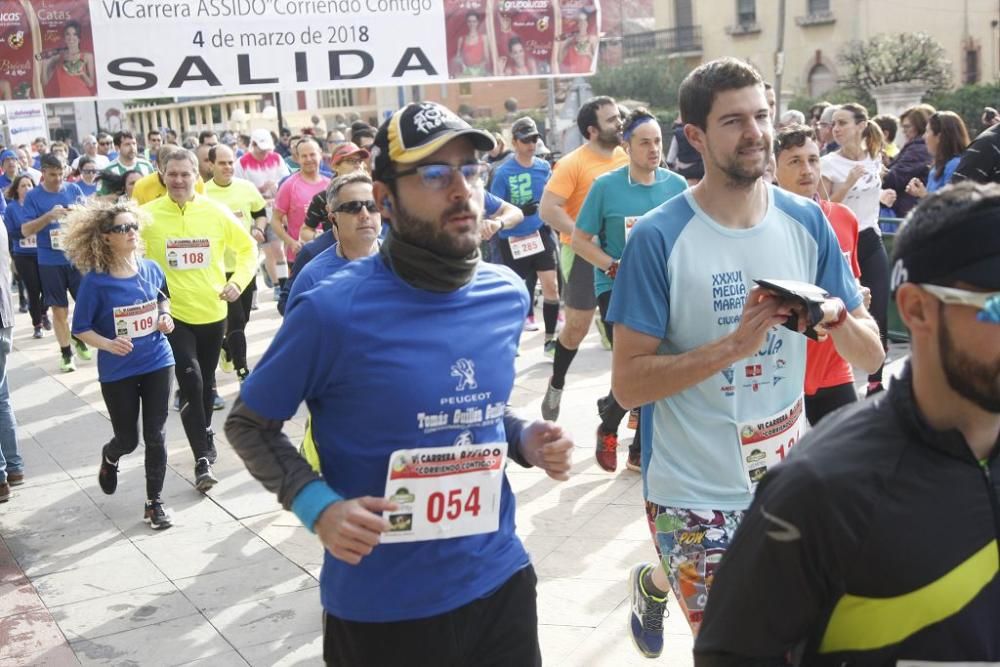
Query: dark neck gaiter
[(423, 269)]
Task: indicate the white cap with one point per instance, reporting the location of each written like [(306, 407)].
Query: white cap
[(263, 139)]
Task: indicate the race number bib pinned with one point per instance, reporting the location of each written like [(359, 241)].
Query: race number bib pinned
[(28, 242), (185, 254), (526, 246), (55, 239), (765, 443), (630, 221), (135, 321), (444, 492)]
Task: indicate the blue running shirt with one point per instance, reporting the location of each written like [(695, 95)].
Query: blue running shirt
[(393, 367), (683, 279)]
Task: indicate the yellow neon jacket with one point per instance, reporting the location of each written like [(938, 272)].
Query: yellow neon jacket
[(194, 293)]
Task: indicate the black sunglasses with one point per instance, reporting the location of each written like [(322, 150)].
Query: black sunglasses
[(354, 207), (122, 229)]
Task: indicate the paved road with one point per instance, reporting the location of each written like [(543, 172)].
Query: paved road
[(84, 581)]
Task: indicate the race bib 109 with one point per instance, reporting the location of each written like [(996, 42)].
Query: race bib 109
[(135, 321)]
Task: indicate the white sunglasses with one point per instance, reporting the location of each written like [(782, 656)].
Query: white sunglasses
[(988, 303)]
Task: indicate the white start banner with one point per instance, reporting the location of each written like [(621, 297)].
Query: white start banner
[(179, 48)]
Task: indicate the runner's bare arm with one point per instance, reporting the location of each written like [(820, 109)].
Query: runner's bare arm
[(278, 225), (639, 375), (555, 216), (857, 340), (509, 216), (38, 224), (584, 246)]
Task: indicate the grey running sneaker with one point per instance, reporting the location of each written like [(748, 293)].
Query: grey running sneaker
[(645, 622), (156, 515), (550, 404), (204, 479)]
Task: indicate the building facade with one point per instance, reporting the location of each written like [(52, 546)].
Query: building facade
[(814, 32)]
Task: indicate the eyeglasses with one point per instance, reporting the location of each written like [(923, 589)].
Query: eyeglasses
[(988, 303), (529, 140), (441, 176), (103, 143), (354, 207), (123, 229), (88, 171)]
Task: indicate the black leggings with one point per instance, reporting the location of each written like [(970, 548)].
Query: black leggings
[(196, 352), (874, 265), (123, 398), (27, 270), (613, 412), (235, 342), (828, 399)]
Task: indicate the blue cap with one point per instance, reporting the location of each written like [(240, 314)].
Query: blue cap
[(7, 154)]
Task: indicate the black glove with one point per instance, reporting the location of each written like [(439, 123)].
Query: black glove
[(530, 208)]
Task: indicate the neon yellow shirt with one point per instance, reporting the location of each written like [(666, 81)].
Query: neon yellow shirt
[(151, 187), (189, 245), (242, 198)]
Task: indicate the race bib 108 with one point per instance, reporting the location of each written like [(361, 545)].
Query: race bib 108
[(186, 254)]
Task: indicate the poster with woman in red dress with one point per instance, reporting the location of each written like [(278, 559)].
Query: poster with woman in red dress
[(46, 49), (469, 49), (578, 25)]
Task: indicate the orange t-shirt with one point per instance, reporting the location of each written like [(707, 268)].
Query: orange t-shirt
[(824, 366), (574, 174)]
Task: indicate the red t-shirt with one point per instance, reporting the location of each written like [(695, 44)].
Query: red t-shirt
[(824, 366)]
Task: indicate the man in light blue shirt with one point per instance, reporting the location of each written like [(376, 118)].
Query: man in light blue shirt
[(702, 347), (615, 202)]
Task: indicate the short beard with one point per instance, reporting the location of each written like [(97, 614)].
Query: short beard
[(739, 177), (976, 382), (431, 236), (608, 139)]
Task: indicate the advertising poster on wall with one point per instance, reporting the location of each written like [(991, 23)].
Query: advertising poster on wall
[(46, 50)]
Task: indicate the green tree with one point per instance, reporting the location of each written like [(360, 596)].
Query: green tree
[(654, 80), (898, 58), (968, 102)]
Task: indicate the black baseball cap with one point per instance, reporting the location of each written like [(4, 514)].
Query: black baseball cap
[(524, 128), (418, 130), (966, 251)]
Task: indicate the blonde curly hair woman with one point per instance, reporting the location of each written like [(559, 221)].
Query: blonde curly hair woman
[(122, 309)]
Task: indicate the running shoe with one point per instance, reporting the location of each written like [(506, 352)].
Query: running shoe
[(23, 308), (225, 363), (633, 418), (634, 462), (242, 374), (605, 341), (38, 333), (204, 479), (156, 515), (550, 348), (550, 403), (4, 492), (266, 275), (607, 450), (107, 476), (15, 478), (218, 403), (67, 365), (529, 323), (82, 350), (46, 322), (646, 618)]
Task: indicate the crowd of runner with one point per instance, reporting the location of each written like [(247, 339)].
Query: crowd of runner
[(740, 277)]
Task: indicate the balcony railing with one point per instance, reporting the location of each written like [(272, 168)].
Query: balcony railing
[(685, 39)]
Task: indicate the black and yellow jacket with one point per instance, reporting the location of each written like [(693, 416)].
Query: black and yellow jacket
[(876, 543)]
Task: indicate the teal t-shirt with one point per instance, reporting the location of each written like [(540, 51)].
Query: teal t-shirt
[(614, 205)]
